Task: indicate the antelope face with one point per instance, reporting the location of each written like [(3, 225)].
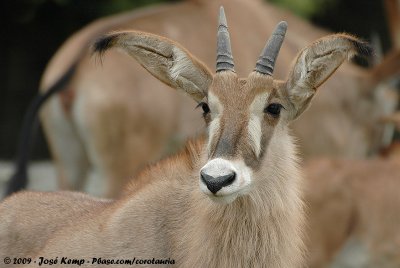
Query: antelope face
[(243, 115)]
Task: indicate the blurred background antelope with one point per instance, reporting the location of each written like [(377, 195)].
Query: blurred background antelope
[(108, 120)]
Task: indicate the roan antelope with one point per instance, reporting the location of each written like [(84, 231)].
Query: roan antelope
[(233, 200), (96, 121)]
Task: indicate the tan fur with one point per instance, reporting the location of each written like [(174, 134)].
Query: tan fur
[(357, 202), (53, 211), (105, 128), (258, 225)]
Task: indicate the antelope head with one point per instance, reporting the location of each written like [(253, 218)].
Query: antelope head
[(244, 115)]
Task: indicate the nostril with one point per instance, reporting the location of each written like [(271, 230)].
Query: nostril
[(205, 178), (214, 184), (230, 178)]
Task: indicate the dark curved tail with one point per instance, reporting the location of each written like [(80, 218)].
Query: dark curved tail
[(19, 179)]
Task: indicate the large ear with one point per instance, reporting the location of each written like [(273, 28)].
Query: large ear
[(316, 63), (164, 59)]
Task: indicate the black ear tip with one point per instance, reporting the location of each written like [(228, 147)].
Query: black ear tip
[(363, 48), (103, 43)]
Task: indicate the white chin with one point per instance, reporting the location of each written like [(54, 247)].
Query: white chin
[(223, 199)]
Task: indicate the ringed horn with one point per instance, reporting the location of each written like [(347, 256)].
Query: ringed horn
[(266, 61), (224, 51)]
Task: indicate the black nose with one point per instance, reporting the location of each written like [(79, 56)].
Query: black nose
[(214, 184)]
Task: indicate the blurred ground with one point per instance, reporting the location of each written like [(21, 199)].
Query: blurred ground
[(42, 176)]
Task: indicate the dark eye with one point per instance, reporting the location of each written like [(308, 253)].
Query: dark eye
[(205, 107), (273, 109)]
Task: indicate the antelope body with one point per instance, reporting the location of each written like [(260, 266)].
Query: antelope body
[(354, 207), (116, 118), (231, 201)]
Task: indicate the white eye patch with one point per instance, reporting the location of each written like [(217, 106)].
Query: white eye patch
[(255, 121)]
